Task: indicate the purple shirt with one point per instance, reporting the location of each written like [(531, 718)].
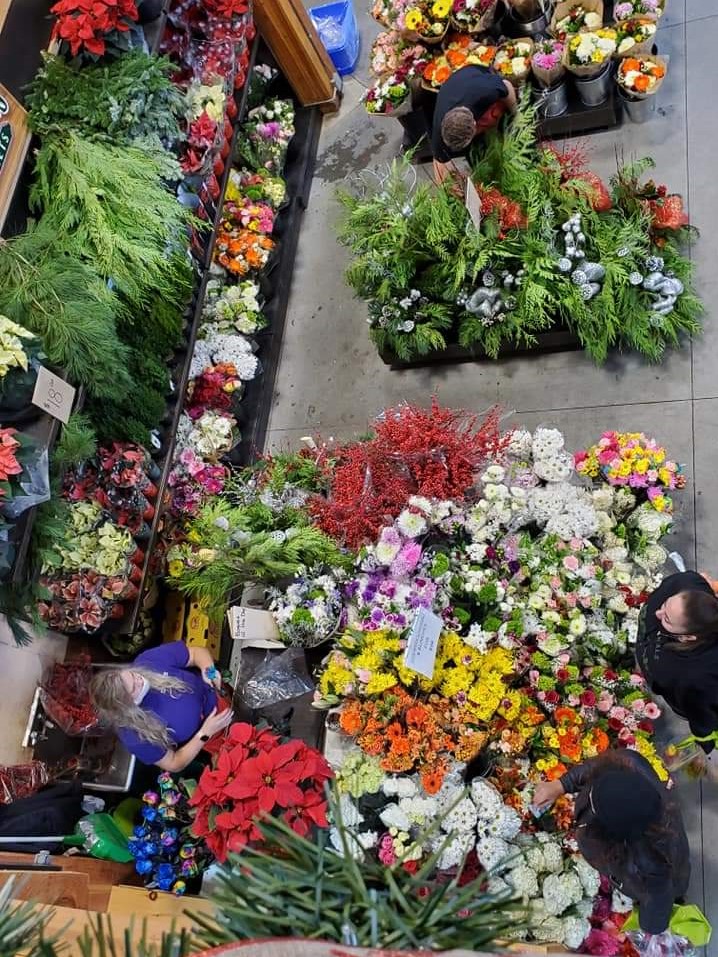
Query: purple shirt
[(182, 713)]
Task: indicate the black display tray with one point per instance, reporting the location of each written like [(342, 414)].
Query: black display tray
[(558, 339)]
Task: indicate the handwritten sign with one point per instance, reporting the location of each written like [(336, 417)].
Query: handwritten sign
[(14, 144), (53, 395), (253, 627), (472, 201), (420, 654)]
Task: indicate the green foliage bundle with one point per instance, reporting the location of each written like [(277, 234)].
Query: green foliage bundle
[(108, 206), (418, 258), (229, 545), (62, 299), (129, 101)]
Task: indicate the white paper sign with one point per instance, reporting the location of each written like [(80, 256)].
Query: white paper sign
[(254, 627), (472, 201), (53, 395), (423, 640)]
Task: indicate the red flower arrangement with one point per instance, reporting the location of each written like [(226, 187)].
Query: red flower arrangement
[(87, 24), (431, 452), (257, 774), (213, 389), (226, 9), (510, 214), (575, 174)]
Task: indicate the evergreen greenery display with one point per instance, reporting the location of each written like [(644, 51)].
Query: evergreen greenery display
[(431, 277)]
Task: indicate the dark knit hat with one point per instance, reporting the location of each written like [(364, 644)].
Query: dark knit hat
[(626, 803)]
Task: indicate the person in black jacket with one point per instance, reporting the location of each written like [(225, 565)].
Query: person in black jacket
[(630, 829), (677, 649)]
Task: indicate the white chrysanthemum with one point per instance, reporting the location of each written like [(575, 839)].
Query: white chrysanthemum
[(493, 474), (524, 880), (549, 929), (462, 817), (520, 444), (603, 497), (589, 877), (353, 840), (411, 524), (577, 626), (477, 551), (561, 891), (575, 931), (552, 857), (653, 524), (399, 787), (546, 442), (419, 810), (554, 468), (620, 903), (423, 504), (486, 798), (394, 816), (455, 851), (492, 851), (478, 638)]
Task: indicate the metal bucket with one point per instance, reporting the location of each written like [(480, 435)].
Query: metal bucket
[(638, 111), (553, 100), (531, 28), (594, 90)]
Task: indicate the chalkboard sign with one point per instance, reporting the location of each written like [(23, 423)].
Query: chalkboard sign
[(14, 143)]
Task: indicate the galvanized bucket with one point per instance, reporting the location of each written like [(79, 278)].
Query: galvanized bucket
[(553, 100), (532, 28), (594, 90), (638, 110)]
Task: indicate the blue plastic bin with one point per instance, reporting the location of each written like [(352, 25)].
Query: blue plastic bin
[(344, 55)]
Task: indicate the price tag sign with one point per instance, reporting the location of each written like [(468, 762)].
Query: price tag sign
[(53, 395), (420, 654), (472, 201), (253, 627)]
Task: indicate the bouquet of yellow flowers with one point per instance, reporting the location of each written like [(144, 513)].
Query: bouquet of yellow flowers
[(427, 20)]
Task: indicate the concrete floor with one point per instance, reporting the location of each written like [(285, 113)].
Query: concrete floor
[(331, 380)]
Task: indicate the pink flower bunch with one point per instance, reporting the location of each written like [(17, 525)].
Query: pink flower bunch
[(192, 481), (548, 54)]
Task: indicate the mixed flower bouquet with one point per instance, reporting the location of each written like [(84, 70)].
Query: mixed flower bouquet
[(635, 460), (628, 9), (267, 134), (547, 61), (513, 60), (588, 53), (310, 611), (391, 51), (473, 15), (390, 93), (640, 76), (257, 186), (579, 18), (634, 37), (460, 50), (256, 773), (427, 20), (242, 251)]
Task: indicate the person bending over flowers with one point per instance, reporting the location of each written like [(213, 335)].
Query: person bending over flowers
[(164, 707), (677, 649), (630, 829), (469, 103)]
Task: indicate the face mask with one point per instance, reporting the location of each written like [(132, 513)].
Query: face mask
[(139, 697)]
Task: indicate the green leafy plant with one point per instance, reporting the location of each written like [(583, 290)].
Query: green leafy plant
[(130, 101), (108, 205), (64, 301)]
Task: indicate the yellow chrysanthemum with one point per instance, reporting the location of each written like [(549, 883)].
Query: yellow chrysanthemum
[(381, 681)]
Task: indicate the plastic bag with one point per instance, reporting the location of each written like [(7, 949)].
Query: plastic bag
[(330, 31), (278, 678), (661, 945), (22, 780), (34, 482), (65, 696)]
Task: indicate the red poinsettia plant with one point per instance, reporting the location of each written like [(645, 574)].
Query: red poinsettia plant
[(88, 26), (257, 774), (226, 9)]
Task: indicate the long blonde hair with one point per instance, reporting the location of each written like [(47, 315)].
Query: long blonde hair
[(115, 705)]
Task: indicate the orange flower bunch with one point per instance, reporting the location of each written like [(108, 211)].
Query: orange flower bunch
[(459, 52), (640, 74), (242, 251), (408, 735)]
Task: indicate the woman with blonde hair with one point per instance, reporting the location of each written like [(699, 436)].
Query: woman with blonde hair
[(163, 707)]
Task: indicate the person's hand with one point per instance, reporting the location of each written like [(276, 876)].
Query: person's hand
[(546, 793), (711, 581), (214, 722), (212, 677)]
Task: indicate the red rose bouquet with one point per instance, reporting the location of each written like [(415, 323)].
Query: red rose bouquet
[(257, 774)]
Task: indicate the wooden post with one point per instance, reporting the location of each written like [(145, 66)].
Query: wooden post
[(290, 34), (14, 144)]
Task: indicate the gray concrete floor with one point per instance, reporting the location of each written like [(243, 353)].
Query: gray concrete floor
[(331, 380)]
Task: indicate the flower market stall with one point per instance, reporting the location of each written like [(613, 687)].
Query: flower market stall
[(556, 250), (531, 561)]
